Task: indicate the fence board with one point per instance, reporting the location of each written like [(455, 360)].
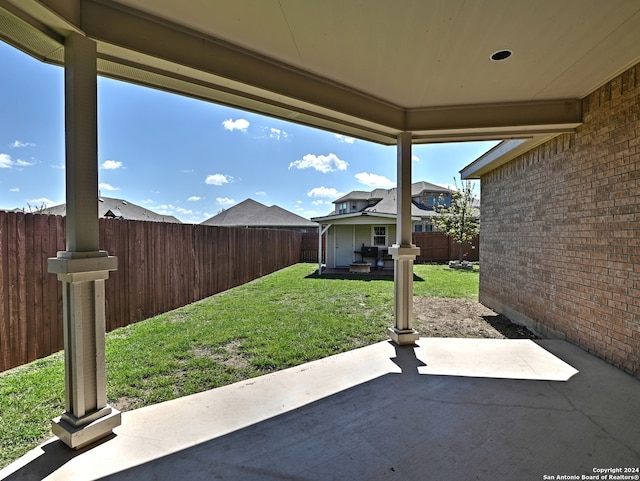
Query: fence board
[(29, 293), (39, 279), (17, 294), (5, 314)]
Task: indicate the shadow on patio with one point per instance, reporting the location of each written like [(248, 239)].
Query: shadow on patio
[(447, 409)]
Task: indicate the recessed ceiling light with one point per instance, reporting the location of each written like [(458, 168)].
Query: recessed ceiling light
[(501, 55)]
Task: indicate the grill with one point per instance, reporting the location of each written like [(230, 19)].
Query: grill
[(369, 251)]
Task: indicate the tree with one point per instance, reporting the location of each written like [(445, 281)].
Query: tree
[(458, 220)]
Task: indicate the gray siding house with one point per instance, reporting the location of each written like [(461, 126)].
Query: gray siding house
[(363, 225)]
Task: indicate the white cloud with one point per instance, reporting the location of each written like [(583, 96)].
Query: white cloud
[(187, 171), (225, 201), (321, 202), (261, 193), (278, 134), (194, 198), (415, 158), (165, 209), (218, 179), (41, 201), (105, 186), (344, 139), (375, 181), (15, 189), (185, 215), (59, 166), (322, 163), (328, 192), (111, 164), (306, 213), (148, 201), (16, 144), (239, 124), (7, 163)]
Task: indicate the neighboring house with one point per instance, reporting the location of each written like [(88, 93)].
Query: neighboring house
[(119, 209), (250, 213), (363, 225)]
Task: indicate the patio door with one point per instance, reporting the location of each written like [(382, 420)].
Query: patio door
[(344, 245)]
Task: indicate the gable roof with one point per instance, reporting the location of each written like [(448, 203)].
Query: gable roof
[(380, 194), (250, 213), (386, 201), (418, 187), (120, 209)]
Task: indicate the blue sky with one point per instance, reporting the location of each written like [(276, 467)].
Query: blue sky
[(188, 158)]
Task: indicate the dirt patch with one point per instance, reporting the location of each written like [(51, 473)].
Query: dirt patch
[(228, 354), (446, 317)]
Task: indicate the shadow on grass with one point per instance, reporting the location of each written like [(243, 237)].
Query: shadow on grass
[(373, 276)]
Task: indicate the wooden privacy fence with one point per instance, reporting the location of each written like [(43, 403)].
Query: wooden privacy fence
[(309, 249), (31, 311), (161, 266), (437, 247)]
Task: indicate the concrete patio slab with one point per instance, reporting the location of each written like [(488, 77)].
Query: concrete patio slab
[(446, 409)]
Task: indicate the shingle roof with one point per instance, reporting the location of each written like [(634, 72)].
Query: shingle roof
[(250, 213), (419, 187), (386, 198), (122, 209)]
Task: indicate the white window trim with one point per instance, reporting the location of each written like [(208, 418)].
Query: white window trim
[(373, 235)]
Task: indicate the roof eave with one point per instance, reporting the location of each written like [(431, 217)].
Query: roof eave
[(327, 219), (502, 153)]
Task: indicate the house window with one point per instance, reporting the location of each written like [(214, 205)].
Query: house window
[(417, 227), (379, 235), (342, 208)]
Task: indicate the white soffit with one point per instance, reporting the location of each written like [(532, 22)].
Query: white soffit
[(365, 69), (430, 53)]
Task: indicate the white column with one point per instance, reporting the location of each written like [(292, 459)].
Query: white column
[(83, 268), (404, 252), (319, 249)]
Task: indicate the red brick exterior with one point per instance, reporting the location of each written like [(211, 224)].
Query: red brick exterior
[(560, 234)]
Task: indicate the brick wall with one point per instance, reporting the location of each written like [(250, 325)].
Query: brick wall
[(560, 239)]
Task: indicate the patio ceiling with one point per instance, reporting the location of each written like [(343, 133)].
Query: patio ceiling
[(369, 69)]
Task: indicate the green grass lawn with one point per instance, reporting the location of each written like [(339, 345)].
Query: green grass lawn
[(281, 320)]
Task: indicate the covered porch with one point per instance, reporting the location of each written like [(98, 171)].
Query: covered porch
[(446, 409), (396, 74)]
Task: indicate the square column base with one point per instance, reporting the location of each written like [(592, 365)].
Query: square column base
[(403, 337), (81, 436)]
